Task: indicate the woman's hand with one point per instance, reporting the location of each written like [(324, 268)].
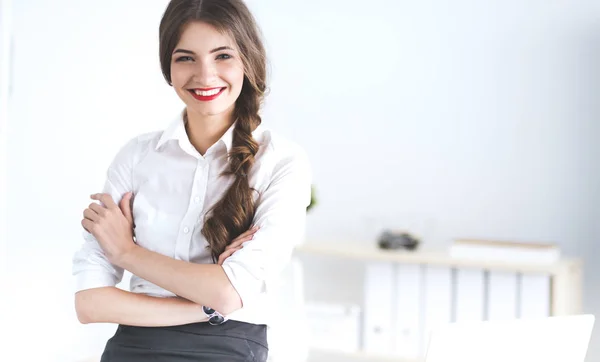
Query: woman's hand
[(111, 225), (236, 244)]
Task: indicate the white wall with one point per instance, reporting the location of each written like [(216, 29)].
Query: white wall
[(5, 26), (463, 118), (86, 79)]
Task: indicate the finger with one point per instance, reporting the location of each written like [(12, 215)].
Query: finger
[(90, 215), (226, 254), (125, 207), (238, 242), (242, 238), (87, 225), (98, 209), (250, 231), (106, 199)]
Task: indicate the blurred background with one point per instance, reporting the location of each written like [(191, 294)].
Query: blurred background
[(461, 119)]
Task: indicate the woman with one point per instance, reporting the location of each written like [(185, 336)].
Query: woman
[(218, 203)]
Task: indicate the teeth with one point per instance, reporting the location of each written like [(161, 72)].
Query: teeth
[(207, 93)]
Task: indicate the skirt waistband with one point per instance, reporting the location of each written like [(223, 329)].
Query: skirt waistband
[(232, 328)]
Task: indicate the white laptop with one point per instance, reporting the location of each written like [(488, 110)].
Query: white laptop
[(553, 339)]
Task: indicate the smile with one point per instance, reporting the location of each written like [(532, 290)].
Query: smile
[(206, 94)]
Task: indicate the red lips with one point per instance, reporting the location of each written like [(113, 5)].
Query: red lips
[(206, 98)]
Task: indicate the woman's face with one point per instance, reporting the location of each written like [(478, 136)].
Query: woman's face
[(206, 70)]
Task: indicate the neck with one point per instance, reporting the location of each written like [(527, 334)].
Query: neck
[(205, 131)]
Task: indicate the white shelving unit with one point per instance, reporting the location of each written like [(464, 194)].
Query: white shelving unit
[(565, 280)]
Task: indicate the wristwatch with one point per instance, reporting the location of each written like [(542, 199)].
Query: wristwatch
[(214, 318)]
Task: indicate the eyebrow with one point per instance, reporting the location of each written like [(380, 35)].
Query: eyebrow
[(185, 51)]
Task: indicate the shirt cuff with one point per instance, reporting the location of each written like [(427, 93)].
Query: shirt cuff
[(247, 286), (94, 279)]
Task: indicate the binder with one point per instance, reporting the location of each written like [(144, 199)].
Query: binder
[(332, 326), (378, 302), (535, 296), (437, 301), (408, 323), (470, 293), (502, 296)]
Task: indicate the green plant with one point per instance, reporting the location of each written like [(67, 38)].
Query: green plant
[(313, 198)]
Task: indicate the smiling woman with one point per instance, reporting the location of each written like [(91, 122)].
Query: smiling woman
[(206, 67), (204, 214)]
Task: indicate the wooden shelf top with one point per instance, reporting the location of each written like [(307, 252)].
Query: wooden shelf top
[(430, 257)]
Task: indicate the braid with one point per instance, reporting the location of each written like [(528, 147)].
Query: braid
[(234, 213)]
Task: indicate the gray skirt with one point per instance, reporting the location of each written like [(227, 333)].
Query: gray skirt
[(231, 341)]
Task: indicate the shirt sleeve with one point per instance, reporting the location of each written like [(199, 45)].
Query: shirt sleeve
[(281, 216), (91, 268)]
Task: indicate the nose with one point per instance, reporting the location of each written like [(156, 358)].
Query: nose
[(204, 74)]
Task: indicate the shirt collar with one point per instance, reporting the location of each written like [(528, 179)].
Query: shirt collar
[(176, 131), (227, 138)]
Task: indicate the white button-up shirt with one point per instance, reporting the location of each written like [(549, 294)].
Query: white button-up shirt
[(174, 187)]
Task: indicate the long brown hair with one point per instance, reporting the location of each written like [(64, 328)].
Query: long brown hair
[(233, 214)]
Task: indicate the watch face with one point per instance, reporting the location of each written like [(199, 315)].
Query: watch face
[(208, 310), (216, 320), (214, 317)]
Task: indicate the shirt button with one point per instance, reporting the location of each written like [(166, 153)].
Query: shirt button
[(197, 199), (186, 230)]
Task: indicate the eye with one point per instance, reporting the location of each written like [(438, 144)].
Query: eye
[(183, 59), (224, 56)]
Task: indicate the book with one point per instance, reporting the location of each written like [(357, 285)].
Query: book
[(505, 251)]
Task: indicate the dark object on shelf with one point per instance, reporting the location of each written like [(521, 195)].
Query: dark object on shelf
[(391, 240)]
